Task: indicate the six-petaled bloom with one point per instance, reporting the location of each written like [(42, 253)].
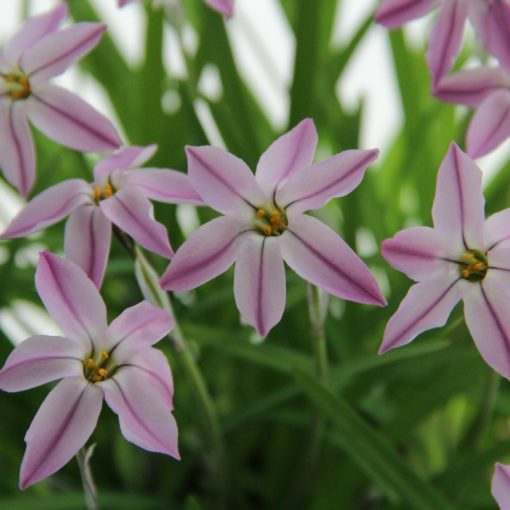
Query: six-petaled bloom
[(120, 195), (501, 486), (94, 360), (463, 257), (264, 224), (225, 7), (490, 18), (37, 52)]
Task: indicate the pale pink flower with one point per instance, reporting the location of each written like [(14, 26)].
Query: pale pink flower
[(120, 195), (37, 52), (501, 486), (94, 360), (264, 225), (225, 7), (490, 18), (463, 257), (488, 90)]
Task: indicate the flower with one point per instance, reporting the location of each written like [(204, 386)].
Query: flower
[(501, 486), (463, 257), (487, 90), (93, 360), (490, 18), (36, 53), (225, 7), (118, 195), (264, 225)]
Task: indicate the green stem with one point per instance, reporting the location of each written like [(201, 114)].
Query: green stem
[(317, 309), (83, 457)]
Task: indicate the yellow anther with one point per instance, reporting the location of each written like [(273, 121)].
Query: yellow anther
[(465, 273), (89, 363), (469, 256), (107, 190), (104, 355), (261, 213), (268, 230), (102, 372), (478, 266), (275, 214), (96, 378), (97, 193)]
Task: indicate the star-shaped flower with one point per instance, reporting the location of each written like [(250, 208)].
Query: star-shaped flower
[(501, 486), (463, 257), (225, 7), (120, 195), (37, 52), (94, 361), (264, 224)]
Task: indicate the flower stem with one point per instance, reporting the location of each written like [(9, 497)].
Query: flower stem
[(83, 457), (317, 309)]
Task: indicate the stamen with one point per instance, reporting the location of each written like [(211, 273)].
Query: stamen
[(18, 85), (97, 193), (90, 363), (268, 230), (102, 372), (473, 265), (96, 378), (107, 190), (104, 355), (261, 213)]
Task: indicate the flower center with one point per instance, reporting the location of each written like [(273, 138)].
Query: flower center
[(17, 85), (103, 193), (271, 222), (473, 265), (96, 371)]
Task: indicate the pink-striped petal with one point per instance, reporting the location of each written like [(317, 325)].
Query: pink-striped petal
[(71, 299), (319, 255), (490, 124), (39, 360), (225, 7), (314, 186), (122, 3), (87, 241), (497, 230), (486, 313), (499, 264), (427, 305), (17, 155), (63, 424), (501, 486), (446, 37), (259, 282), (133, 213), (208, 252), (49, 207), (394, 13), (144, 416), (58, 50), (417, 251), (224, 181), (167, 186), (33, 30), (127, 157), (458, 210), (491, 20), (471, 87), (136, 328), (291, 152), (66, 118)]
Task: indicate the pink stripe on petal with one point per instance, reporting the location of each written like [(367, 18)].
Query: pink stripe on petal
[(427, 305), (163, 185), (49, 207), (127, 157), (208, 252), (458, 209), (490, 125), (501, 486), (138, 327), (486, 313), (314, 186), (39, 360), (17, 155), (225, 7), (317, 254), (144, 416), (71, 299), (33, 30), (394, 13), (133, 213), (291, 152), (417, 251), (63, 424), (471, 87), (224, 181), (259, 283), (87, 241), (66, 118), (58, 50)]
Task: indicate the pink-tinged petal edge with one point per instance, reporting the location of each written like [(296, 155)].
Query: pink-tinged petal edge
[(319, 255), (71, 299), (394, 13), (208, 252), (501, 486), (63, 424), (497, 231), (87, 241), (259, 283), (124, 158), (225, 7)]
